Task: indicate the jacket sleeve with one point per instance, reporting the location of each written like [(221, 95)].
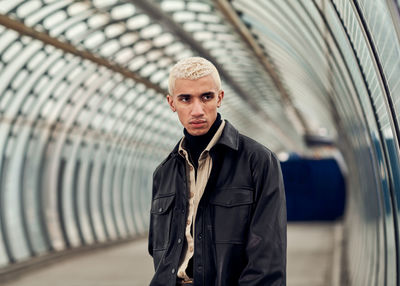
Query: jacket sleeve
[(266, 241), (150, 239)]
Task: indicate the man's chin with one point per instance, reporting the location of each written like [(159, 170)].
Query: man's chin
[(197, 132)]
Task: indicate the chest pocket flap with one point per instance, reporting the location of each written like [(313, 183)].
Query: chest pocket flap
[(231, 197), (161, 205)]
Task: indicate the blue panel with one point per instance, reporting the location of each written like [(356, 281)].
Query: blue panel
[(315, 189)]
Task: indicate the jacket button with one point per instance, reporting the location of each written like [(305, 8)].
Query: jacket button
[(173, 270), (200, 236), (179, 240), (183, 211), (160, 209)]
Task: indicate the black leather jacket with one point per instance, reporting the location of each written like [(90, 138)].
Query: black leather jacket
[(240, 226)]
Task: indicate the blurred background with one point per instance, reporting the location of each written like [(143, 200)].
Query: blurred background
[(84, 122)]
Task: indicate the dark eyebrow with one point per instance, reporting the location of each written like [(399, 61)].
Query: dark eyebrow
[(184, 95), (207, 93)]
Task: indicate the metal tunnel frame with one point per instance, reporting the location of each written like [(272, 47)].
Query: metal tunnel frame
[(84, 120)]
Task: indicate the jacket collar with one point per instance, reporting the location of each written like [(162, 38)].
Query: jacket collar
[(229, 138)]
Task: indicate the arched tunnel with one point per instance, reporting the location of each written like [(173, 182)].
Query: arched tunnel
[(84, 119)]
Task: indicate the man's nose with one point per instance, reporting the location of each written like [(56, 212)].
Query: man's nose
[(197, 109)]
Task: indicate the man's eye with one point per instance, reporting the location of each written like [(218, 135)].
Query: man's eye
[(185, 99), (207, 97)]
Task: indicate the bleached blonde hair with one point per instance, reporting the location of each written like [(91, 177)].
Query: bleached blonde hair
[(192, 68)]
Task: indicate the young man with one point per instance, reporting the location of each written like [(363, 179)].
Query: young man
[(218, 214)]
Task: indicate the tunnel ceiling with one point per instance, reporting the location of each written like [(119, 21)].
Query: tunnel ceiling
[(83, 67)]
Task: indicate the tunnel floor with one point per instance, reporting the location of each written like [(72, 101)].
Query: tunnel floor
[(313, 259)]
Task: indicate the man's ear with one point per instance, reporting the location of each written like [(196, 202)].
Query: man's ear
[(220, 97), (171, 102)]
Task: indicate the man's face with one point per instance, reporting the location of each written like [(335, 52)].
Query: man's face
[(196, 102)]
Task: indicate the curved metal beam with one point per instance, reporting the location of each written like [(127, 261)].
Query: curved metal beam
[(226, 8), (69, 48)]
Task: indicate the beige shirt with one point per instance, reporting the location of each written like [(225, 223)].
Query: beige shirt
[(196, 190)]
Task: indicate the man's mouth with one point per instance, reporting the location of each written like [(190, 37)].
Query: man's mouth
[(197, 123)]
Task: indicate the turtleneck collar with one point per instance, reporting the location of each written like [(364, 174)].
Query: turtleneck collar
[(196, 144)]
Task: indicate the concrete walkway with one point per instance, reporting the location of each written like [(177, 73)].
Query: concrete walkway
[(313, 257), (314, 254)]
